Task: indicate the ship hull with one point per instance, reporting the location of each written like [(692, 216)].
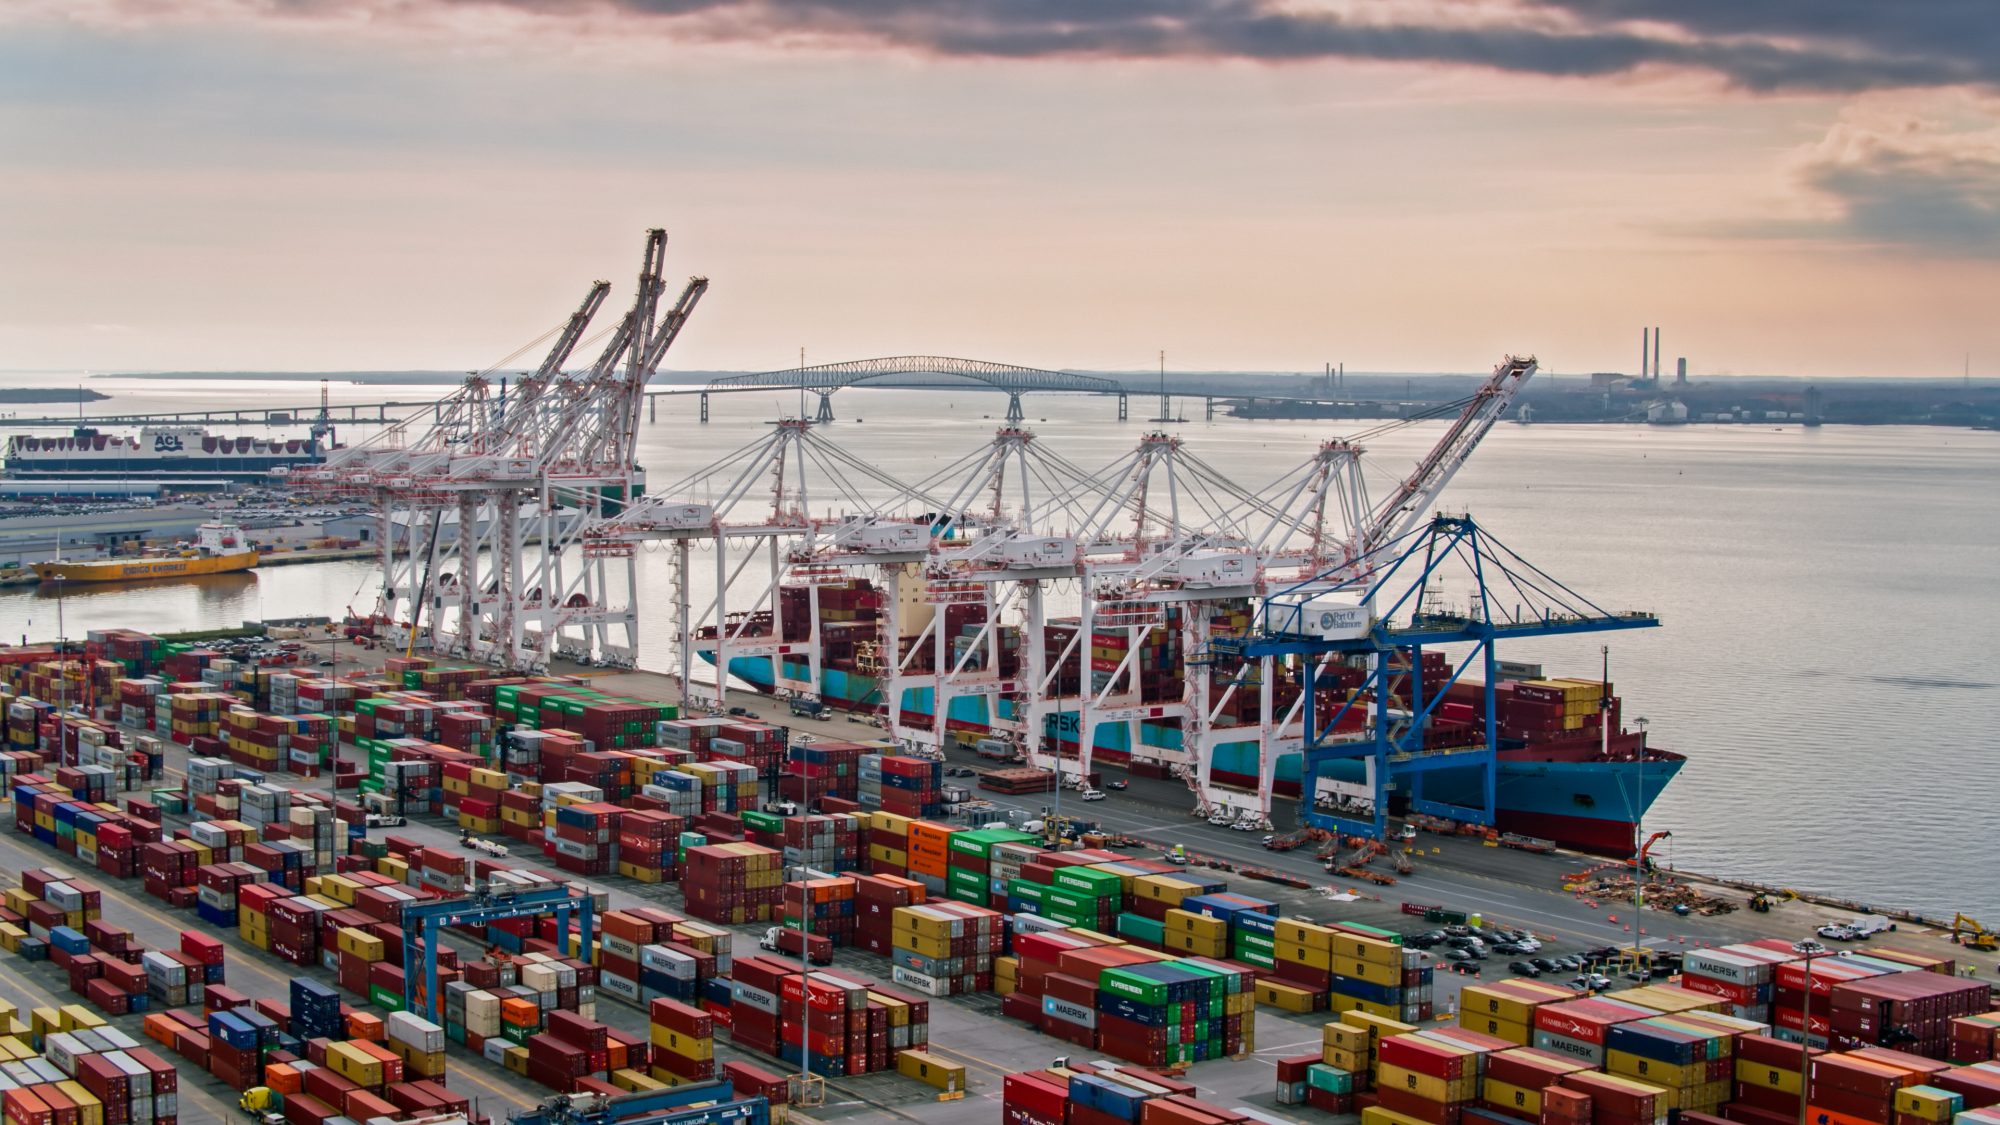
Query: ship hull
[(1556, 794), (141, 570)]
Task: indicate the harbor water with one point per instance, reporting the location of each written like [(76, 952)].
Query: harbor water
[(1826, 597)]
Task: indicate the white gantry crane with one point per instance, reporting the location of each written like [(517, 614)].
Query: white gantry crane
[(483, 513)]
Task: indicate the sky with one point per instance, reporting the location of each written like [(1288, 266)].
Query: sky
[(1397, 185)]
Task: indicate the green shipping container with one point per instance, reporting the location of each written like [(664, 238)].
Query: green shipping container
[(1131, 986), (1140, 928), (1376, 932), (385, 998), (1330, 1079), (1090, 882), (1027, 891)]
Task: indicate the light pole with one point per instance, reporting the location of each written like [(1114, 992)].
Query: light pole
[(1808, 950)]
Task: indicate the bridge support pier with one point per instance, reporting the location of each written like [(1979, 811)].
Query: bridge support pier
[(1121, 406), (704, 406), (1209, 403), (825, 408), (652, 408), (1015, 415)]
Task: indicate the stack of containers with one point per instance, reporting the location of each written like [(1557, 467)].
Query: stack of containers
[(1771, 1075), (1577, 1029), (1302, 965), (822, 908), (1973, 1038), (1172, 1012), (1506, 1008), (315, 1010), (1086, 897), (1693, 1064), (888, 844), (911, 787), (876, 899), (1910, 1011), (416, 1041), (1426, 1078), (1741, 975), (1371, 971), (647, 845), (1513, 1081), (930, 856), (733, 883), (580, 837), (946, 948), (1857, 1088), (823, 843), (1615, 1100), (683, 1042), (1794, 979), (677, 792)]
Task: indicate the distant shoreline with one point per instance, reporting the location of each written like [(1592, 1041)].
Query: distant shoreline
[(50, 394)]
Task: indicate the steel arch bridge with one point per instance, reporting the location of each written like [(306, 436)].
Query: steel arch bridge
[(824, 379)]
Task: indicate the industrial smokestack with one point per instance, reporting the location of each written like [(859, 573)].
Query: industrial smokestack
[(1656, 352), (1645, 342)]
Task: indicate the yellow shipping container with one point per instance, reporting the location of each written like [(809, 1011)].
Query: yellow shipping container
[(1303, 955), (899, 1010), (1670, 1075), (1379, 1026), (1926, 1102), (632, 1080), (1769, 1077), (1345, 1036), (355, 1065), (686, 1046), (1200, 925), (1196, 945), (1512, 1032), (946, 1077), (76, 1017), (89, 1110), (1162, 888), (1527, 1102), (1356, 1061), (1345, 1005), (1295, 932), (1368, 949), (516, 1060), (883, 853), (920, 944), (1285, 997), (361, 943), (1371, 971)]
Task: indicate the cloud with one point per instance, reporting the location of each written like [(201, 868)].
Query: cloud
[(1921, 190), (1838, 46), (1887, 177)]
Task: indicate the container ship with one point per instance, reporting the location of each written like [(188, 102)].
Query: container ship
[(157, 452), (1559, 776), (218, 548)]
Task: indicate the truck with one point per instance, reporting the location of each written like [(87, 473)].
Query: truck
[(997, 750), (784, 939), (808, 708)]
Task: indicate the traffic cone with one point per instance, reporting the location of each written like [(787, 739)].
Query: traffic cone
[(1612, 918)]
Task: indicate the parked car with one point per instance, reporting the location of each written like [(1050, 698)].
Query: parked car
[(1093, 794), (1546, 964), (1838, 932), (1525, 968), (1453, 953)]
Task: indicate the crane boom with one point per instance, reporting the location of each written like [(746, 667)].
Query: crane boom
[(1402, 510), (572, 332)]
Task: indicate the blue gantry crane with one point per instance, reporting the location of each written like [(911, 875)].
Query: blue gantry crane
[(423, 921), (1383, 610)]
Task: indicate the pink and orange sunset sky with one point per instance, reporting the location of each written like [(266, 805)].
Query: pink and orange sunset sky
[(1788, 188)]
